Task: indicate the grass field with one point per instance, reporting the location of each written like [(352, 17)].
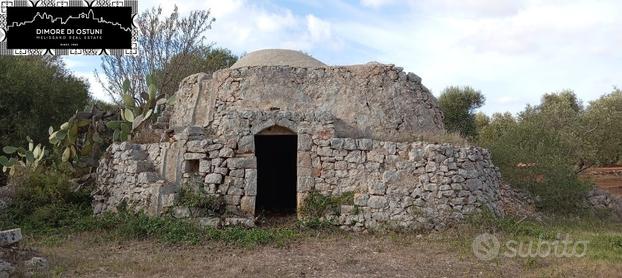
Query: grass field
[(291, 251)]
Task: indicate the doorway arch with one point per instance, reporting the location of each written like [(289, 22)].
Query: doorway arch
[(276, 150)]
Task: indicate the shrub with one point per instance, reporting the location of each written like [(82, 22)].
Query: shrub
[(317, 205), (535, 156), (44, 200), (209, 204)]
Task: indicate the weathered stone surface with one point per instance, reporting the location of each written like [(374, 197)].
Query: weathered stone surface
[(377, 201), (210, 222), (10, 237), (238, 221), (6, 269), (38, 264), (248, 162), (354, 127), (247, 205), (194, 156), (226, 152), (213, 178)]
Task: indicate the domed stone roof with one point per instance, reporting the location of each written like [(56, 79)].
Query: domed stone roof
[(278, 57)]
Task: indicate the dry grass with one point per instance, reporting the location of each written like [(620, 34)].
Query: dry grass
[(325, 254), (335, 255)]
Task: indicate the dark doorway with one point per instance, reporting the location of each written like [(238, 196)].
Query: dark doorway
[(276, 172)]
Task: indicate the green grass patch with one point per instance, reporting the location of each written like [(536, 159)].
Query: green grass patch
[(316, 206), (604, 235)]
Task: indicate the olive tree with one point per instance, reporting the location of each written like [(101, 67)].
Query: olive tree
[(458, 105)]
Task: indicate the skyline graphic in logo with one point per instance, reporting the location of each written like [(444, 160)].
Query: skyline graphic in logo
[(69, 28)]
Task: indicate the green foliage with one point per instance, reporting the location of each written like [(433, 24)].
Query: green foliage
[(487, 221), (79, 142), (204, 59), (458, 105), (210, 204), (136, 112), (29, 158), (44, 200), (35, 93), (317, 205), (44, 203), (603, 121), (541, 150)]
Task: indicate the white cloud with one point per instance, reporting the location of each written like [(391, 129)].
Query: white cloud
[(511, 50), (319, 29), (517, 49), (244, 25), (375, 3)]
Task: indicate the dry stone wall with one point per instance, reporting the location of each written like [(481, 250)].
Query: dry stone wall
[(401, 185), (129, 175), (354, 126), (394, 184)]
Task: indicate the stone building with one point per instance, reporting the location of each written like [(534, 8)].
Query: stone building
[(278, 125)]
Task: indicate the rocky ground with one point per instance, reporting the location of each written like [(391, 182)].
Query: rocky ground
[(16, 260)]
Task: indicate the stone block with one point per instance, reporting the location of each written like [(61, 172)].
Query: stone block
[(209, 222), (245, 162), (364, 144), (238, 173), (36, 264), (377, 202), (246, 144), (355, 157), (213, 178), (336, 143), (226, 152), (377, 188), (239, 221), (197, 146), (304, 142), (349, 144), (250, 182), (194, 156), (390, 176), (10, 237), (325, 151), (6, 269), (205, 166), (247, 205), (213, 147)]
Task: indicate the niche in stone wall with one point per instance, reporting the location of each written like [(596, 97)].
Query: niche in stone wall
[(192, 166)]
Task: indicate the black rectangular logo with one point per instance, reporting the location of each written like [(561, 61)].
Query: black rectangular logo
[(69, 27)]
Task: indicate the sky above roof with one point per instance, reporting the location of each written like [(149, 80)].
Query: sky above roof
[(513, 51)]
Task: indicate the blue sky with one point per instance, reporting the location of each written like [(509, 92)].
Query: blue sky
[(513, 51)]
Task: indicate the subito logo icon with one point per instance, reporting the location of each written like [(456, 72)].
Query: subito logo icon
[(486, 247)]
